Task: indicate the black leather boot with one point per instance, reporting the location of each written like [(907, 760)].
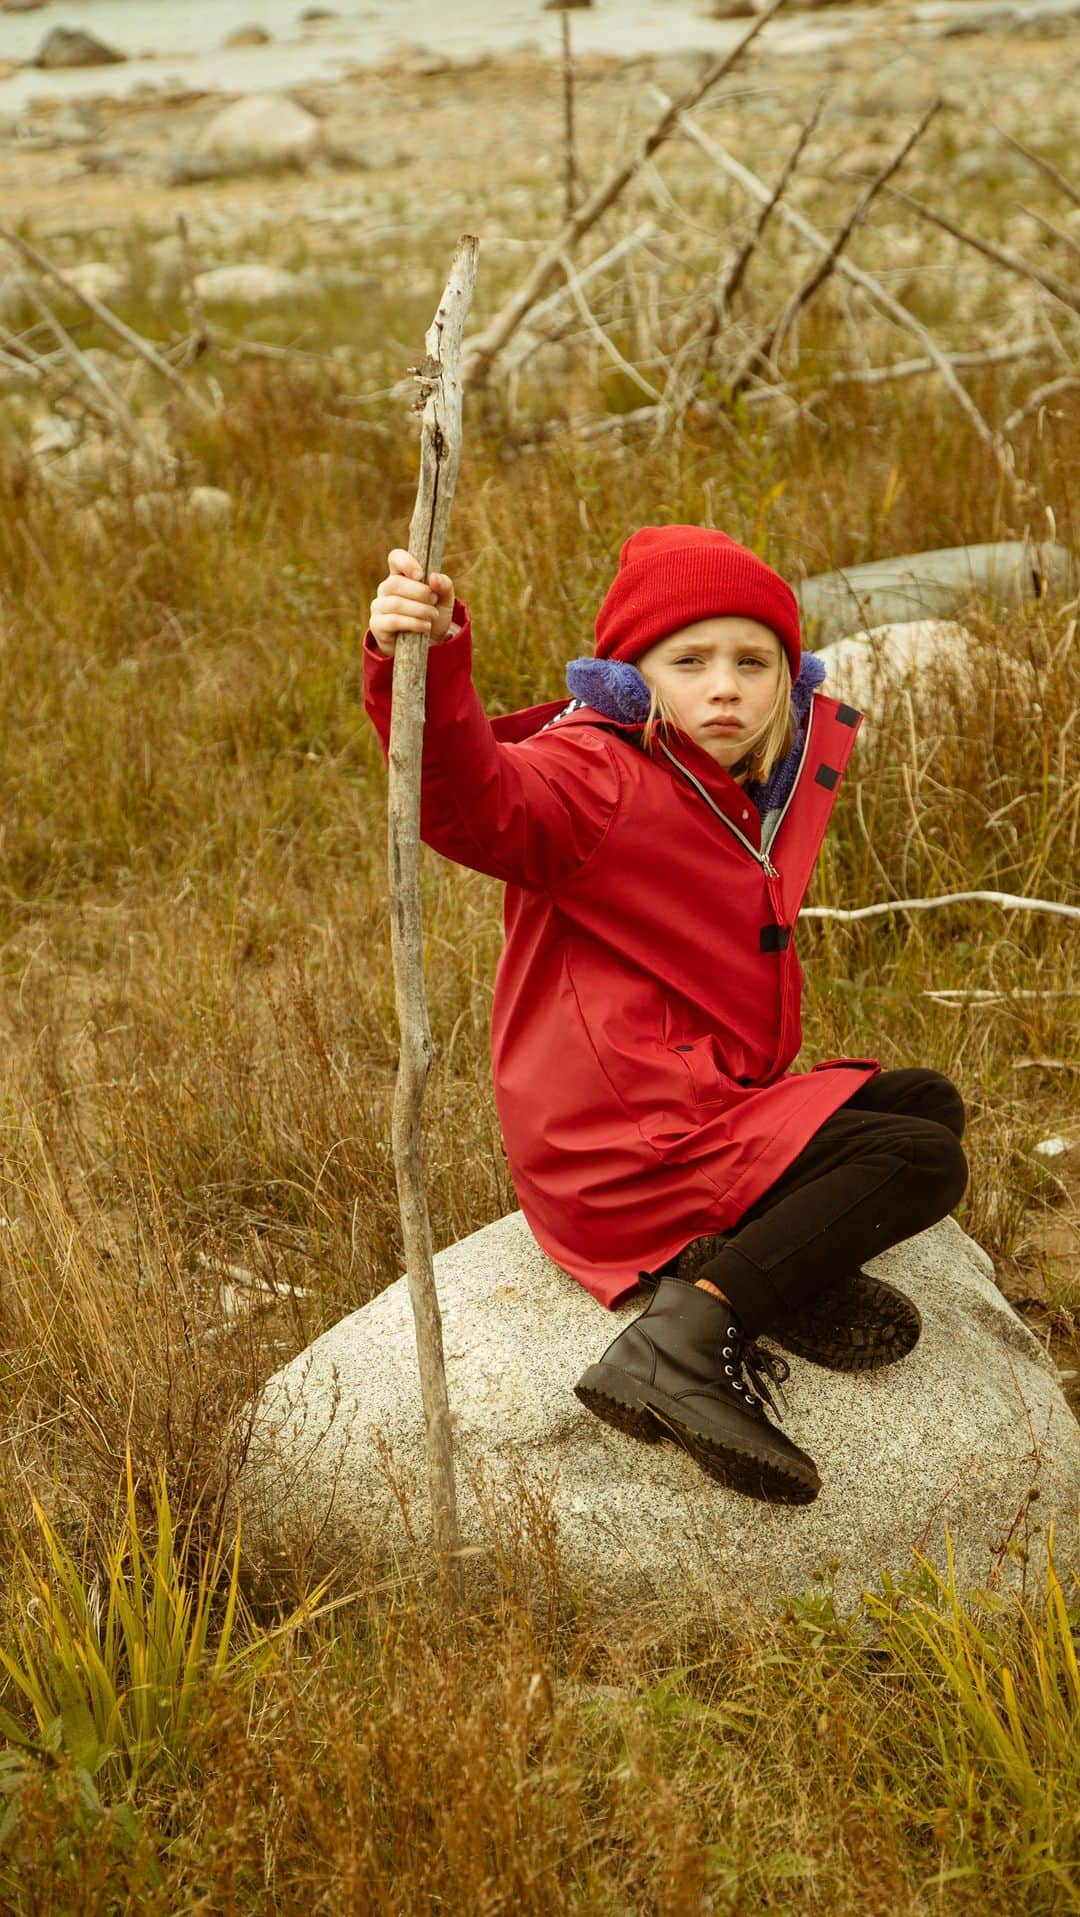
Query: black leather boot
[(684, 1371), (856, 1323)]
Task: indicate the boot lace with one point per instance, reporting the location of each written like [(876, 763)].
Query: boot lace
[(765, 1371)]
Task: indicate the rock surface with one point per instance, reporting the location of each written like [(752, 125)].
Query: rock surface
[(249, 283), (954, 1436), (261, 129), (869, 668), (71, 47), (920, 585)]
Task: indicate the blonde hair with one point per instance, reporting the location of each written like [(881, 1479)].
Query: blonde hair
[(772, 743)]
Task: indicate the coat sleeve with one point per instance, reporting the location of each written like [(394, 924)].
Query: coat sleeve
[(530, 813)]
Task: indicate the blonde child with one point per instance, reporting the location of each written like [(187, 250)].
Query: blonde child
[(656, 836)]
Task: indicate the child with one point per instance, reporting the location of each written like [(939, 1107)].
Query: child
[(656, 837)]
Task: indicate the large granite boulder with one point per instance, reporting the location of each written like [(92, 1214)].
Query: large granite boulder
[(920, 657), (956, 1436)]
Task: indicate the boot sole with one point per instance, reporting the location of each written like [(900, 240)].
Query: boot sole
[(653, 1417), (883, 1326)]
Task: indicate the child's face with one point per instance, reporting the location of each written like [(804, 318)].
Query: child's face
[(719, 679)]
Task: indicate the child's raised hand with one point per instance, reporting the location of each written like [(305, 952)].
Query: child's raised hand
[(403, 603)]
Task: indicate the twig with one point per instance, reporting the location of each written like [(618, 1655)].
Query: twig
[(869, 285), (482, 351), (440, 455), (569, 156), (109, 320), (1007, 899), (114, 409), (1063, 384), (1044, 166), (768, 346), (910, 368), (531, 341), (1004, 256), (685, 384), (597, 332), (1055, 232)]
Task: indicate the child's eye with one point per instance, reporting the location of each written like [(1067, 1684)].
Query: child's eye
[(753, 661)]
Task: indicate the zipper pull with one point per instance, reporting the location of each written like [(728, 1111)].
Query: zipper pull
[(768, 867)]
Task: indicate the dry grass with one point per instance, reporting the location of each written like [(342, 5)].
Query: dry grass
[(199, 1055)]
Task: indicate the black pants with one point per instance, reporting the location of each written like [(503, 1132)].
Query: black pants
[(886, 1165)]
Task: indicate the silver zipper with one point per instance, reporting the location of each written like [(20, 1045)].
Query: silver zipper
[(762, 858), (798, 770)]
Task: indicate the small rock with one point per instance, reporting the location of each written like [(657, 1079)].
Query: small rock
[(101, 280), (211, 505), (1052, 1147), (247, 37), (261, 129), (311, 15), (71, 47), (250, 283)]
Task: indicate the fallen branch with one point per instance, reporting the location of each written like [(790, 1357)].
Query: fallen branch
[(440, 455), (112, 408), (1044, 166), (1007, 899), (597, 333), (957, 995), (884, 301), (689, 371), (110, 321), (1004, 256), (764, 352), (483, 351)]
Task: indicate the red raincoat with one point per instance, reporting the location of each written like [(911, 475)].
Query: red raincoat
[(647, 999)]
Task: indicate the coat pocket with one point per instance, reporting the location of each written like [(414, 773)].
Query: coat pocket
[(852, 1064), (711, 1087)]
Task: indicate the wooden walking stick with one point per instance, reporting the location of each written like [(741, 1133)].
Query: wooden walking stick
[(440, 456)]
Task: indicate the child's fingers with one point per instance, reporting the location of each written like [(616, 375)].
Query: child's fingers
[(403, 562), (441, 584)]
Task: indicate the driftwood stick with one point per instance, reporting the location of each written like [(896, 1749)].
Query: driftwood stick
[(873, 288), (596, 332), (771, 341), (109, 320), (440, 456), (1044, 165), (1003, 255), (483, 351), (1009, 900)]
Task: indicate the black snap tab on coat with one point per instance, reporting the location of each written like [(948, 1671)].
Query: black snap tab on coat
[(848, 716), (684, 1048), (826, 775), (775, 938)]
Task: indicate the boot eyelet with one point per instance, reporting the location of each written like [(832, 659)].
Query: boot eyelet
[(729, 1371), (727, 1352)]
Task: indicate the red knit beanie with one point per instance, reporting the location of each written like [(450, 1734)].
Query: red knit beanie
[(670, 576)]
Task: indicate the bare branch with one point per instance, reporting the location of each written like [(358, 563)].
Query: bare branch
[(1003, 255), (768, 346), (869, 285), (109, 320), (482, 351), (1044, 166)]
